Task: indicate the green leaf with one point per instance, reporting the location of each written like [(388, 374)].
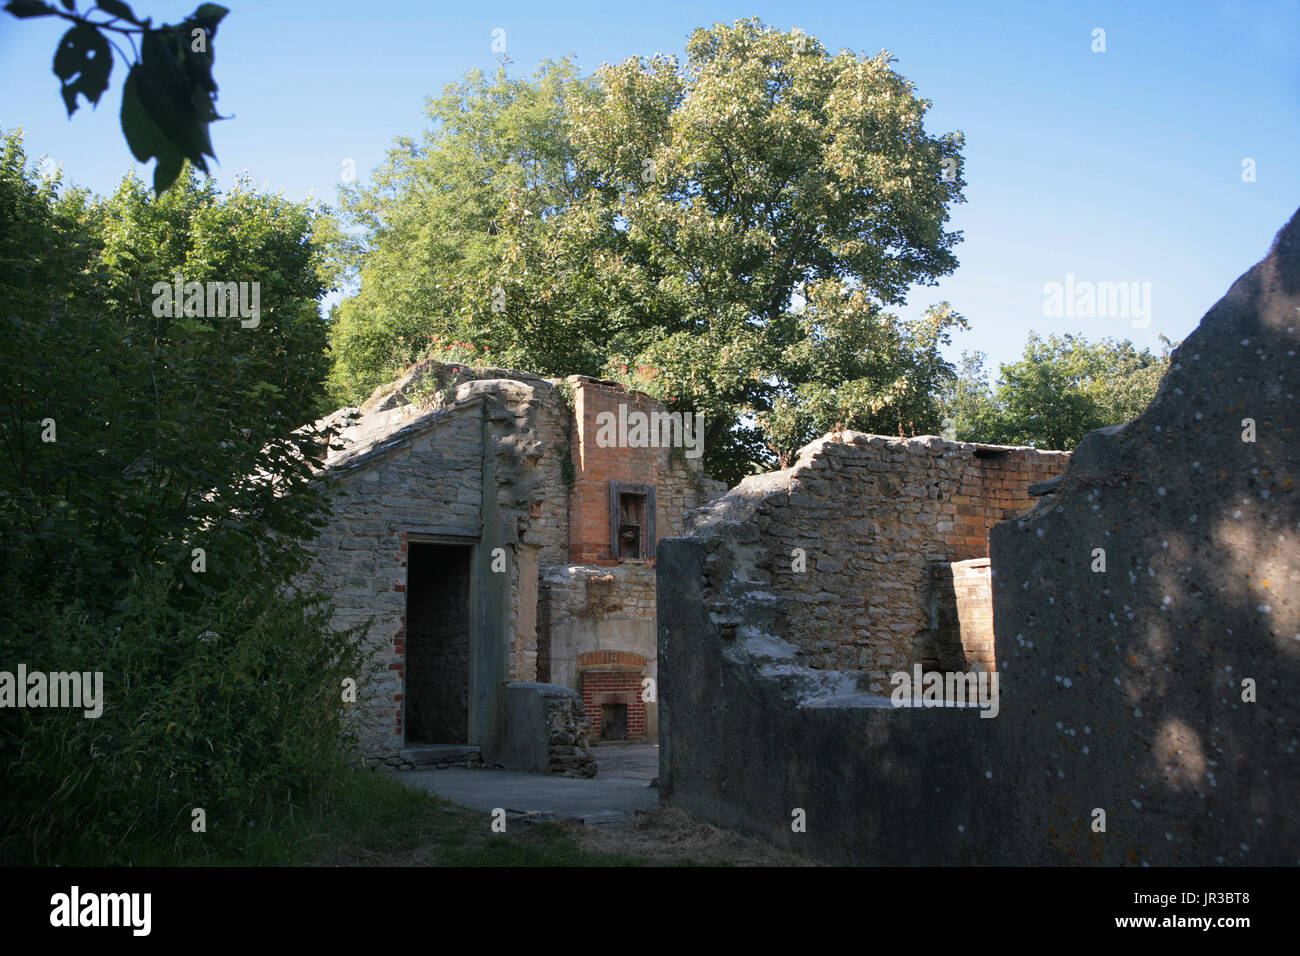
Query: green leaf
[(209, 15), (144, 137), (117, 9), (29, 8), (83, 51), (165, 94)]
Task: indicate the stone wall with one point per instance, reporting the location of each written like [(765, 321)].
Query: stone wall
[(569, 751), (454, 455), (847, 538), (546, 731), (482, 458), (589, 609), (1146, 712)]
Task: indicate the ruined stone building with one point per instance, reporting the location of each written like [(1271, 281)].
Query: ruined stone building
[(1145, 631), (504, 548)]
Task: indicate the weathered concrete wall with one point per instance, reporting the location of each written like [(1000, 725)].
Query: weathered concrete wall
[(747, 737), (1201, 592), (1120, 691)]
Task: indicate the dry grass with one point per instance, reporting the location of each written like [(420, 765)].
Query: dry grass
[(670, 836)]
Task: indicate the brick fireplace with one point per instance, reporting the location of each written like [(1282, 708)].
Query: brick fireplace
[(612, 683)]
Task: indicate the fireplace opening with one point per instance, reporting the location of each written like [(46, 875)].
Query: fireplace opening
[(613, 721)]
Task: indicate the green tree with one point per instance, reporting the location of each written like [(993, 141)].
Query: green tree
[(130, 438), (430, 230), (737, 224), (1062, 388)]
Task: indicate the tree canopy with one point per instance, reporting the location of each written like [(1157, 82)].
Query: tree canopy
[(155, 498), (1061, 389), (727, 232)]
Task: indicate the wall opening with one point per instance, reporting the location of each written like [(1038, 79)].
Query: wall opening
[(631, 521), (436, 698), (613, 721)]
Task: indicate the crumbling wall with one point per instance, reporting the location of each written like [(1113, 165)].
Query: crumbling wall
[(679, 480), (960, 634), (1145, 712), (849, 535), (596, 601), (454, 454)]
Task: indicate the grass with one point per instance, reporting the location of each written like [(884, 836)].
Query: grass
[(366, 818)]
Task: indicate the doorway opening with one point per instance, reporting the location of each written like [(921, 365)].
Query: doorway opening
[(436, 698)]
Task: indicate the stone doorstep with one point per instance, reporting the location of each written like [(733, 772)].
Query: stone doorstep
[(438, 753)]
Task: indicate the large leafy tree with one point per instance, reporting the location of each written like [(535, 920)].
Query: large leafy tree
[(430, 230), (735, 226), (1061, 388), (155, 494)]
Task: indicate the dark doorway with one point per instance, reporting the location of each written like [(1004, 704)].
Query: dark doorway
[(437, 644), (613, 721)]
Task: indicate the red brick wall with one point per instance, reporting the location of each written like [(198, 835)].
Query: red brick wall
[(595, 467), (993, 489), (960, 636), (613, 677)]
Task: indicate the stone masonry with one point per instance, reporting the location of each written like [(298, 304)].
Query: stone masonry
[(1146, 636), (499, 468), (855, 536)]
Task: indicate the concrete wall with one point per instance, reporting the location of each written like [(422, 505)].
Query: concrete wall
[(1120, 692), (1201, 534)]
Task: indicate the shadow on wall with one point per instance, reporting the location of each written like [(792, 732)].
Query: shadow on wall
[(1170, 706), (1145, 712)]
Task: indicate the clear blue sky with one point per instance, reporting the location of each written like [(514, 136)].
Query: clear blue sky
[(1122, 166)]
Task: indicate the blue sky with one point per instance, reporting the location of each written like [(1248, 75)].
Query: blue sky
[(1115, 166)]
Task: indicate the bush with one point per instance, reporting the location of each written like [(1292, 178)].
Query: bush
[(171, 433)]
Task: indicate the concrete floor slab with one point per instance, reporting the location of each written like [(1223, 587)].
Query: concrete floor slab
[(619, 789)]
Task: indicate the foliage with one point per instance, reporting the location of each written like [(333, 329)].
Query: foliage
[(170, 433), (167, 100), (1059, 391), (674, 216)]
